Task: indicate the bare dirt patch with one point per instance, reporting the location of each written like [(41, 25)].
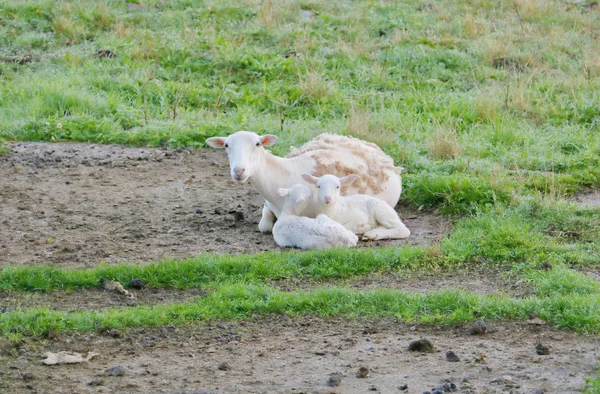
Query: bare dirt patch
[(94, 299), (588, 199), (281, 355), (80, 204)]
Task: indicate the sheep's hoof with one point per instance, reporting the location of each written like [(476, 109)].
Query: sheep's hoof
[(265, 227), (368, 238)]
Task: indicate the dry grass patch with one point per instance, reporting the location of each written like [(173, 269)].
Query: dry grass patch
[(444, 144), (360, 126), (470, 26), (315, 86)]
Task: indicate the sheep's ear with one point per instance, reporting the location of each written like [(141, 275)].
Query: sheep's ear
[(216, 142), (283, 192), (310, 179), (349, 179), (268, 139)]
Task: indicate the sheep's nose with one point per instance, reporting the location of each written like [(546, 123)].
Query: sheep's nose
[(239, 171), (327, 200)]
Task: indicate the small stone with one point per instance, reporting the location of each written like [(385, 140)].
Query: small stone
[(116, 371), (218, 211), (28, 376), (542, 350), (238, 216), (199, 211), (335, 379), (373, 388), (3, 309), (137, 284), (421, 345), (403, 387), (363, 372), (539, 391), (478, 328), (114, 333), (452, 357), (96, 382), (224, 366)]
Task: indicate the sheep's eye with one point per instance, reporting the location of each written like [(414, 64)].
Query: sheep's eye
[(258, 144), (318, 187), (226, 145), (337, 187)]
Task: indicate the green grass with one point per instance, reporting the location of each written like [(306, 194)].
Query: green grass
[(520, 95), (593, 386), (576, 312), (494, 116)]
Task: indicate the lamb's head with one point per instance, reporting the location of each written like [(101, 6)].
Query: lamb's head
[(329, 186), (297, 198), (244, 150)]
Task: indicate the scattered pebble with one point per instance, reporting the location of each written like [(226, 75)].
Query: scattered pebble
[(373, 388), (363, 372), (403, 387), (452, 357), (238, 216), (224, 366), (116, 371), (335, 379), (114, 333), (542, 350), (478, 328), (96, 382), (421, 345), (28, 376), (199, 211), (3, 309), (447, 387), (137, 284)]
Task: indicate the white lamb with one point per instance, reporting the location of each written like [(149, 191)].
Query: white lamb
[(292, 230), (249, 161), (362, 214)]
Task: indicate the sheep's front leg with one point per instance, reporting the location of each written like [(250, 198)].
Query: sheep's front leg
[(267, 220)]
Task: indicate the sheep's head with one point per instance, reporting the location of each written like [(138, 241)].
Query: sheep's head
[(329, 186), (297, 198), (243, 149)]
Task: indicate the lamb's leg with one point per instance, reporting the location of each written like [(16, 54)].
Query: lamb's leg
[(391, 225), (267, 220)]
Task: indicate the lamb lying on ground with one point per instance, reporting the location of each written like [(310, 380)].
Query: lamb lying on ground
[(292, 230), (362, 214)]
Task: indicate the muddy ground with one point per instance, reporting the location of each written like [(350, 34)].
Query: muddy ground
[(76, 205), (277, 354)]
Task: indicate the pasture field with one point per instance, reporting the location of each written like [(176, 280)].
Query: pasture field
[(491, 107)]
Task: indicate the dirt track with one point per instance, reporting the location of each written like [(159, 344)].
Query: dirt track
[(281, 355), (80, 204)]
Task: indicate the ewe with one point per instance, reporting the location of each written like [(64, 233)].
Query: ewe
[(325, 154), (292, 230), (362, 214)]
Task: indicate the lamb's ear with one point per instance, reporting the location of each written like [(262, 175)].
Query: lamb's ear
[(349, 179), (216, 142), (283, 192), (268, 140), (310, 179)]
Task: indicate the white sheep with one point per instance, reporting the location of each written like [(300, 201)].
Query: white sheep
[(362, 214), (325, 154), (292, 230)]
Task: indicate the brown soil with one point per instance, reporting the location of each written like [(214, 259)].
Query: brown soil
[(76, 205), (281, 355)]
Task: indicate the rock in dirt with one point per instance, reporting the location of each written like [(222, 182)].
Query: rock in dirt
[(113, 285), (478, 328), (115, 371), (447, 387), (363, 372), (335, 379), (66, 358), (452, 357), (28, 376), (224, 366), (3, 309), (96, 382), (542, 350), (403, 387), (421, 345), (137, 284), (114, 333)]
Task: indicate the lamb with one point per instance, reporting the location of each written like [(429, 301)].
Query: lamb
[(249, 161), (362, 214), (292, 230)]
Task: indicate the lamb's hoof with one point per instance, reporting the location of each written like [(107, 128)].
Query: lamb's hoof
[(368, 238)]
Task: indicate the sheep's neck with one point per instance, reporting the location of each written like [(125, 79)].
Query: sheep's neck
[(271, 174), (330, 210)]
